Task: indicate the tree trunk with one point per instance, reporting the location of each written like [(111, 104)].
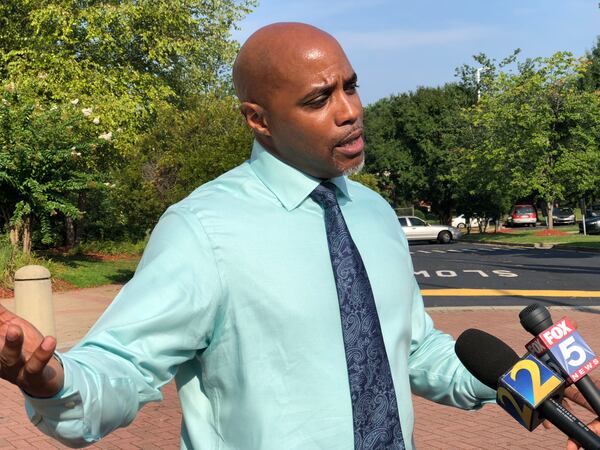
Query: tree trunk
[(14, 235), (69, 232), (27, 235), (549, 210), (80, 222)]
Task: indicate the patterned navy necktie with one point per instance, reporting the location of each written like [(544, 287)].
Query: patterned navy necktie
[(374, 407)]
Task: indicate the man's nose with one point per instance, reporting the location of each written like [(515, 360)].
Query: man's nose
[(349, 109)]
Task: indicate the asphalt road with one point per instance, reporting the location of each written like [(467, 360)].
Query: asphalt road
[(466, 274)]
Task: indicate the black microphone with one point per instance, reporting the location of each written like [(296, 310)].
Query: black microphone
[(573, 359), (489, 359)]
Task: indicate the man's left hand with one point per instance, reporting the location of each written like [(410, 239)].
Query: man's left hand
[(573, 394), (594, 426)]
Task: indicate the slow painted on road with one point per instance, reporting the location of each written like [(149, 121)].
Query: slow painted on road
[(461, 274)]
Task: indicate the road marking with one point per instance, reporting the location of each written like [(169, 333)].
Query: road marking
[(423, 251), (486, 249), (438, 251), (446, 273), (507, 292), (454, 250)]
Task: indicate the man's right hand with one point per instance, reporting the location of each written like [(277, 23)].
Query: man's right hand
[(26, 358)]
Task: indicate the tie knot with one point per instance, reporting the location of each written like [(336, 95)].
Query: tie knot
[(324, 195)]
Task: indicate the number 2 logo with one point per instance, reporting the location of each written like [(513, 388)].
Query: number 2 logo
[(540, 390)]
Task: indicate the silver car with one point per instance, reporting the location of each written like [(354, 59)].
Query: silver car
[(418, 230)]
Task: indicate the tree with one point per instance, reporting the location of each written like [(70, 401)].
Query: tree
[(46, 156), (125, 60), (478, 79), (540, 132), (185, 148), (591, 79), (387, 158), (413, 138)]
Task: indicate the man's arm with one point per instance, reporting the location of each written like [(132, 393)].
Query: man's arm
[(435, 371), (159, 320)]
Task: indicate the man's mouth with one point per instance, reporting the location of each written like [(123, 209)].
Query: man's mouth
[(352, 145)]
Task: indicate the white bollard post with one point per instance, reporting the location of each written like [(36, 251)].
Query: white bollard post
[(33, 298)]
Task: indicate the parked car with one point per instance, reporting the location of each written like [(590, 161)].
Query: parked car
[(592, 211), (563, 216), (592, 225), (418, 230), (522, 215), (460, 222)]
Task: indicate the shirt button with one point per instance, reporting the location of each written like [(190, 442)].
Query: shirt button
[(70, 405)]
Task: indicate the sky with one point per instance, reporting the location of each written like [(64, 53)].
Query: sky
[(396, 46)]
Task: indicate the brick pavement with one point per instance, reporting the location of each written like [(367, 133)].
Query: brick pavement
[(437, 427)]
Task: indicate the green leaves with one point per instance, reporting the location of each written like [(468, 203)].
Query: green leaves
[(47, 154), (93, 78), (545, 129), (412, 141)]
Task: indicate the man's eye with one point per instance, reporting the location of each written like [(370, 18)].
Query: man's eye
[(319, 101), (352, 88)]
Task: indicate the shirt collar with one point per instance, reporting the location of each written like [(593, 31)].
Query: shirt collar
[(290, 185)]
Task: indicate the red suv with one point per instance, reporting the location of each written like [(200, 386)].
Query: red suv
[(522, 215)]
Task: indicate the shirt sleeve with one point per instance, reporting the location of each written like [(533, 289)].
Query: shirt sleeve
[(435, 371), (159, 320)]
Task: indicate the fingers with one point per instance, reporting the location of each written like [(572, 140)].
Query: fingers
[(13, 344), (571, 445), (39, 359), (594, 426), (577, 397), (547, 425), (11, 359), (40, 376)]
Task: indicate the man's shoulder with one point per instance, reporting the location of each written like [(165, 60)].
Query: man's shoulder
[(225, 190)]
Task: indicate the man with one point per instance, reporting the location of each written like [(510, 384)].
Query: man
[(253, 291)]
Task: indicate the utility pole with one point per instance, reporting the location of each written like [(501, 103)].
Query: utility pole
[(478, 80)]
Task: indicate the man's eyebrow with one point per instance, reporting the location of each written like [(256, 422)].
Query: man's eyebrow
[(352, 80), (326, 88), (317, 91)]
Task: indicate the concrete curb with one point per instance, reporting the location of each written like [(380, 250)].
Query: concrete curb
[(453, 309), (538, 245)]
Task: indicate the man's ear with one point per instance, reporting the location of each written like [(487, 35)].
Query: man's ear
[(255, 118)]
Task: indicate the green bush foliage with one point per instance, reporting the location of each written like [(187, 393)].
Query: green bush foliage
[(12, 259)]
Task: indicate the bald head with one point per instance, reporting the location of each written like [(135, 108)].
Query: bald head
[(271, 55), (298, 95)]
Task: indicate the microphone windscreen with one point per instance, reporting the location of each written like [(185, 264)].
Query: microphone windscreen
[(535, 318), (485, 356)]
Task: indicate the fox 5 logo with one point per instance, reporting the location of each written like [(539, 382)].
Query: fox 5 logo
[(574, 356)]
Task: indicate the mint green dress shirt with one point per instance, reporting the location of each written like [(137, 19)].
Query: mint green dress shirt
[(235, 298)]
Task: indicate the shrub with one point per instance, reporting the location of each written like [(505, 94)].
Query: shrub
[(12, 259)]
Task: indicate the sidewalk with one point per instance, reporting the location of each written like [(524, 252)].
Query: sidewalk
[(436, 427)]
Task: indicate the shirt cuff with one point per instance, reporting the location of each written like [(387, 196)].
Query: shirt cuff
[(66, 404), (484, 393)]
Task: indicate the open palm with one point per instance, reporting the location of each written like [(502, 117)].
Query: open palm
[(26, 357)]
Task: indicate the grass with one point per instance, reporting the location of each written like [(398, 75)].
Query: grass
[(528, 236), (88, 271), (89, 265), (109, 248)]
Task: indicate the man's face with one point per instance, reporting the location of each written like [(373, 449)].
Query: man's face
[(315, 116)]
